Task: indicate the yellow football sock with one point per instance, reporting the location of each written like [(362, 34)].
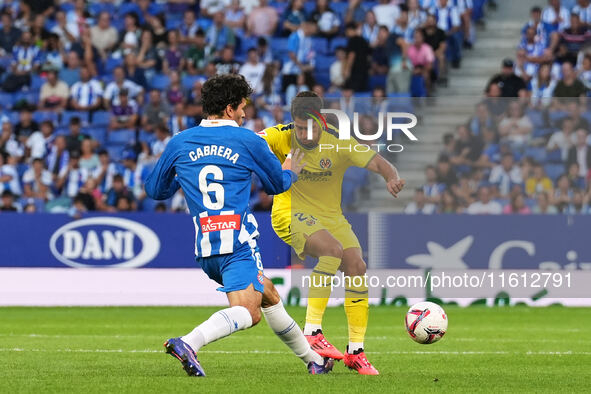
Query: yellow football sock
[(320, 289), (356, 308)]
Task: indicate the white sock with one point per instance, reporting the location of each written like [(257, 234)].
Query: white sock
[(219, 325), (310, 328), (354, 346), (288, 331)]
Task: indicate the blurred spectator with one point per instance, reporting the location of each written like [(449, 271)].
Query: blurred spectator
[(88, 159), (39, 142), (491, 150), (576, 36), (134, 174), (58, 156), (515, 127), (104, 172), (510, 84), (198, 54), (437, 40), (422, 58), (25, 60), (194, 107), (9, 34), (118, 84), (337, 78), (227, 63), (555, 15), (562, 193), (542, 87), (117, 191), (188, 29), (585, 71), (9, 143), (219, 35), (104, 37), (575, 180), (271, 87), (253, 71), (506, 175), (583, 10), (484, 205), (432, 188), (370, 29), (174, 93), (37, 181), (9, 178), (26, 125), (71, 73), (52, 58), (8, 204), (304, 82), (134, 72), (131, 34), (293, 17), (326, 19), (386, 13), (468, 148), (356, 68), (481, 120), (539, 182), (579, 204), (416, 16), (236, 18), (179, 203), (385, 52), (179, 121), (448, 20), (563, 139), (54, 93), (173, 56), (162, 138), (543, 205), (262, 20), (517, 205), (419, 205), (264, 51), (300, 52), (124, 114), (67, 31), (580, 153), (72, 177), (402, 26), (449, 203), (75, 136), (86, 95), (569, 85), (445, 173), (155, 111)]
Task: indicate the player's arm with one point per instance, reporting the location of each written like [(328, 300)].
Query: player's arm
[(266, 165), (273, 137), (162, 183), (381, 166)]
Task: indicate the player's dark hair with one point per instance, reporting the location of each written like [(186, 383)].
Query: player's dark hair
[(222, 90), (305, 103)]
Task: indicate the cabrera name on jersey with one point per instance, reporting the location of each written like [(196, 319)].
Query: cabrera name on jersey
[(213, 163)]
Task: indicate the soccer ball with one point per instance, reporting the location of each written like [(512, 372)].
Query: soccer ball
[(426, 322)]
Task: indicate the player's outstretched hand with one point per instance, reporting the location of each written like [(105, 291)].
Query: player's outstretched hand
[(395, 186), (294, 162)]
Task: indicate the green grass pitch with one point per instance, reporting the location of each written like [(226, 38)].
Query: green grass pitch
[(118, 350)]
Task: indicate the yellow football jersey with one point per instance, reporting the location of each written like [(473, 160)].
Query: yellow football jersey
[(318, 189)]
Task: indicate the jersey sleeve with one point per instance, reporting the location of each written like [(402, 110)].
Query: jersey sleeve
[(358, 155), (162, 183), (267, 167), (274, 138)]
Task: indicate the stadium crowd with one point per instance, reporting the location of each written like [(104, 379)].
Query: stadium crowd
[(91, 91), (527, 148)]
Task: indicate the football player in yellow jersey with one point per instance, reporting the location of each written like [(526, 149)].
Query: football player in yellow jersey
[(309, 218)]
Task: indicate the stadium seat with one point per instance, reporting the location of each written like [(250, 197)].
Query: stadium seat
[(537, 118), (540, 133), (67, 115), (160, 82), (204, 23), (538, 154), (100, 118), (121, 137), (111, 64), (189, 80), (146, 137), (323, 78), (554, 171), (377, 81), (97, 133), (556, 117), (115, 151), (31, 97), (324, 62), (156, 8), (96, 8), (309, 7), (279, 47), (340, 8), (337, 42), (279, 6), (173, 21), (6, 100), (554, 156), (40, 116), (320, 45), (126, 8), (36, 82)]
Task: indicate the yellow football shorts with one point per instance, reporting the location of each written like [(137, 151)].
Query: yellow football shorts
[(295, 227)]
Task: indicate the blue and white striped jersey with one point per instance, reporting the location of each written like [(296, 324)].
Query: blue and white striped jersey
[(213, 163)]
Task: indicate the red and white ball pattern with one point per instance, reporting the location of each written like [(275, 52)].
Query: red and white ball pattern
[(426, 322)]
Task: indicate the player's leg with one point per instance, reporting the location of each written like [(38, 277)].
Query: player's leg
[(289, 332), (322, 245), (356, 309)]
